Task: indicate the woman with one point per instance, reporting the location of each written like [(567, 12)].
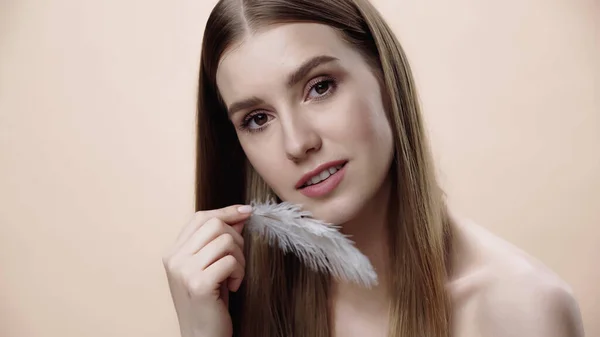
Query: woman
[(290, 89)]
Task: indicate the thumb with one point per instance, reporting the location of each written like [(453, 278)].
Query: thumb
[(231, 214)]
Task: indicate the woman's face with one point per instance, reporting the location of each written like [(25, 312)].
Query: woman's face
[(309, 115)]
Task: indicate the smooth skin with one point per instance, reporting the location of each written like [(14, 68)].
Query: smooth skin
[(205, 263), (334, 111)]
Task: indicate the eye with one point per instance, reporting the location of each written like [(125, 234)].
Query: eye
[(255, 121), (259, 119), (321, 87)]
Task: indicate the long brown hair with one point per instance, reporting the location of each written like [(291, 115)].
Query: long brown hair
[(279, 296)]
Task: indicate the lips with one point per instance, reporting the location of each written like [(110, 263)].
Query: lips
[(319, 173)]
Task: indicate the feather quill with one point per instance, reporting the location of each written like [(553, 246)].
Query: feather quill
[(319, 245)]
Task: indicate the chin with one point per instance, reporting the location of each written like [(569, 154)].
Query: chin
[(338, 210)]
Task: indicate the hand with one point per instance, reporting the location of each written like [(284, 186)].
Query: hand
[(205, 263)]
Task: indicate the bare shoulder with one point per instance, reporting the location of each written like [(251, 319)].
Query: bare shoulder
[(500, 291)]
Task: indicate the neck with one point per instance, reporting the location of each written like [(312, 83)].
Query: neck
[(369, 231)]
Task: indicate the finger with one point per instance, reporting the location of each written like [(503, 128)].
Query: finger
[(227, 214), (226, 268), (224, 294), (234, 284), (238, 227), (207, 233), (231, 214), (217, 249)]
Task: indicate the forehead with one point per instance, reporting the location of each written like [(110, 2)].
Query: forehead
[(273, 52)]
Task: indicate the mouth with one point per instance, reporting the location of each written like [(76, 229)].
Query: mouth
[(323, 179)]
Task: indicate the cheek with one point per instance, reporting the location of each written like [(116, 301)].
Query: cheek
[(268, 166), (364, 123)]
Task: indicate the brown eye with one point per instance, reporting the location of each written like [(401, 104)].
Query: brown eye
[(256, 121), (260, 119), (322, 87)]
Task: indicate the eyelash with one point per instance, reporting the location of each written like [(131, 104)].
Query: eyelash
[(322, 79), (311, 85)]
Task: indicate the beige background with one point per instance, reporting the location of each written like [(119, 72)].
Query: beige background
[(96, 145)]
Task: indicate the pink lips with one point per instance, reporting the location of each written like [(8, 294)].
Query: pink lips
[(326, 186)]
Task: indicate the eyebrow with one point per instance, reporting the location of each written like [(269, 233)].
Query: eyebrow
[(245, 104), (293, 79), (307, 66)]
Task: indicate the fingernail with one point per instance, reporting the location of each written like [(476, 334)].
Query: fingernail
[(245, 209)]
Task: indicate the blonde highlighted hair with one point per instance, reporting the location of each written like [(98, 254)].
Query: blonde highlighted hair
[(279, 296)]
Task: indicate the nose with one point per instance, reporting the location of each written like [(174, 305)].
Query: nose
[(300, 138)]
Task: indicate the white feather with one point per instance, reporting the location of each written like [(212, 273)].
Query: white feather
[(317, 244)]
